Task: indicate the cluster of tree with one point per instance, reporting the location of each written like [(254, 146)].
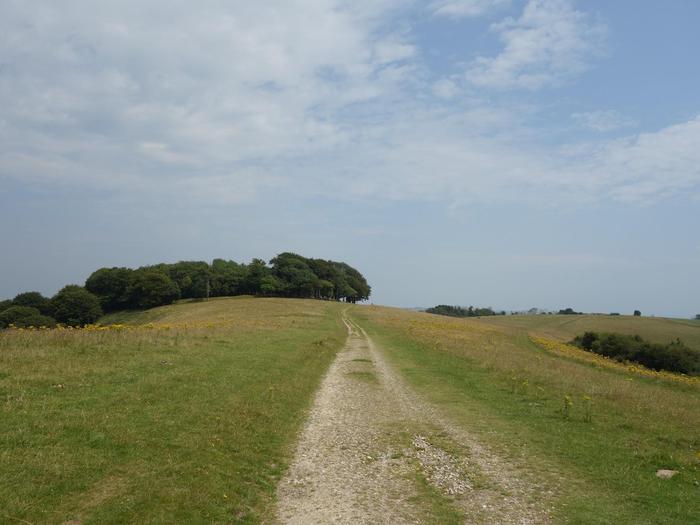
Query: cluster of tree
[(111, 289), (458, 311), (673, 357), (568, 311), (72, 306), (287, 275)]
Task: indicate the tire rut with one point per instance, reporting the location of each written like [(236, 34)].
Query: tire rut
[(353, 463)]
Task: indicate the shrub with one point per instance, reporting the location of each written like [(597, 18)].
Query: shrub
[(23, 317), (73, 305), (4, 305), (673, 357), (33, 300)]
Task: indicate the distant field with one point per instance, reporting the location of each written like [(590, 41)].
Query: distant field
[(189, 420), (566, 327), (598, 435)]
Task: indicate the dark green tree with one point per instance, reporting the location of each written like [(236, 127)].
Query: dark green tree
[(151, 287), (33, 300), (357, 288), (24, 317), (73, 305), (5, 304), (111, 286), (637, 313), (271, 286), (568, 311), (192, 278), (255, 272), (297, 278), (227, 278), (325, 289)]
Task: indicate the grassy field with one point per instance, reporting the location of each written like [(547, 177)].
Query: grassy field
[(597, 435), (189, 413), (566, 327), (190, 419)]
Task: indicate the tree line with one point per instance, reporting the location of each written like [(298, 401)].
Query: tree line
[(459, 311), (121, 288)]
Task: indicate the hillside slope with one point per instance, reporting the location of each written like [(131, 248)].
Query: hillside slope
[(596, 434), (191, 419), (259, 410), (566, 327)]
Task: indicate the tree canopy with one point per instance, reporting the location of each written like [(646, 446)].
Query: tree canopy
[(118, 288), (286, 275), (73, 305)]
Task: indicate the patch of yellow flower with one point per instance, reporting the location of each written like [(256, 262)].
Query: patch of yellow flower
[(128, 327), (556, 347)]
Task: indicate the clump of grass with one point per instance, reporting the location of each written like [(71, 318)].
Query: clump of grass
[(567, 407), (368, 377)]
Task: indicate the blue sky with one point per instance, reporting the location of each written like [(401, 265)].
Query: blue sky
[(511, 153)]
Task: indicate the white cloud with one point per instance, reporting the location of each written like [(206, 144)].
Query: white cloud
[(602, 120), (481, 156), (650, 166), (446, 89), (550, 43), (204, 89), (321, 98), (466, 8)]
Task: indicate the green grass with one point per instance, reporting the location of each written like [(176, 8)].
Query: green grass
[(194, 421), (489, 378), (172, 425), (566, 327)]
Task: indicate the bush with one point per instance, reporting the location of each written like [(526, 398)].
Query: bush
[(73, 305), (673, 357), (33, 300), (23, 317), (4, 305)]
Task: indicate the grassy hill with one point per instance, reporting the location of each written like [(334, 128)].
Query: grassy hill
[(598, 434), (189, 413), (190, 419), (566, 327)]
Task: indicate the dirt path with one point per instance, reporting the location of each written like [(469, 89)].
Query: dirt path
[(370, 440)]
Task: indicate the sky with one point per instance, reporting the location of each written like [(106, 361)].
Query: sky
[(504, 153)]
